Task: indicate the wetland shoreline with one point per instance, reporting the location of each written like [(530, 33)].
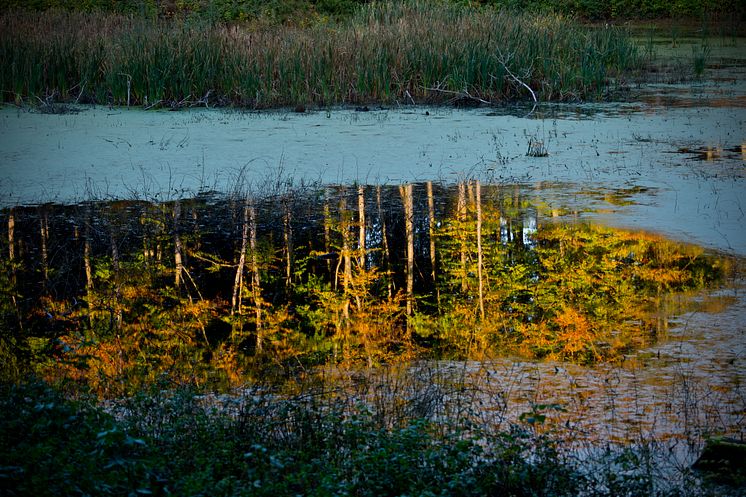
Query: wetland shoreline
[(357, 284)]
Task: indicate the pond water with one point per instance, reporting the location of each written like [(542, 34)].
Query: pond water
[(673, 162), (102, 153)]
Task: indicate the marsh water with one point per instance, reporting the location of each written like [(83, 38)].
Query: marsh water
[(92, 194)]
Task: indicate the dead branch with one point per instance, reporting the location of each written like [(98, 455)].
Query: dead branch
[(460, 95), (129, 86), (154, 104), (409, 96), (202, 101), (504, 62)]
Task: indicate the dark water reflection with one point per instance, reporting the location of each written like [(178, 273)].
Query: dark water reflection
[(213, 289), (667, 398)]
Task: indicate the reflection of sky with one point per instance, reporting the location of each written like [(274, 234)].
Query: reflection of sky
[(529, 229), (529, 226), (158, 155)]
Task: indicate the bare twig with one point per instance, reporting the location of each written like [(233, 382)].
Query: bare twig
[(129, 86), (199, 294), (211, 260), (407, 94), (180, 104), (440, 90), (154, 104), (80, 94), (478, 99), (460, 95), (203, 101), (504, 62)]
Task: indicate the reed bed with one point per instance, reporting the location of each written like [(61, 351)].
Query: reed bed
[(405, 52)]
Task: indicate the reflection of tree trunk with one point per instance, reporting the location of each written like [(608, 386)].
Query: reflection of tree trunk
[(518, 222), (461, 211), (345, 254), (431, 224), (196, 242), (12, 255), (114, 256), (288, 238), (361, 220), (238, 281), (182, 274), (44, 246), (159, 231), (88, 265), (327, 240), (11, 236), (661, 326), (407, 194), (115, 312), (87, 254), (178, 249), (384, 241), (146, 251), (478, 188), (256, 289), (11, 259)]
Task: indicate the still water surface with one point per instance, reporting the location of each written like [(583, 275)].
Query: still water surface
[(678, 170)]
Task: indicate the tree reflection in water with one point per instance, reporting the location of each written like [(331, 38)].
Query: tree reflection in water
[(212, 289)]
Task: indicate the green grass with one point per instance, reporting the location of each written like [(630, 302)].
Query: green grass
[(383, 53)]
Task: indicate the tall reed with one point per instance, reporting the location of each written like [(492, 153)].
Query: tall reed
[(393, 52)]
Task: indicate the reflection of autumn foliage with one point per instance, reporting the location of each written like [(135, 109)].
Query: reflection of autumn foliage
[(595, 288), (485, 273), (574, 335), (582, 293)]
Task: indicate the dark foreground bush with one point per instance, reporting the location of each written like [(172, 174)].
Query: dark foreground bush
[(172, 445), (313, 443), (53, 446)]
